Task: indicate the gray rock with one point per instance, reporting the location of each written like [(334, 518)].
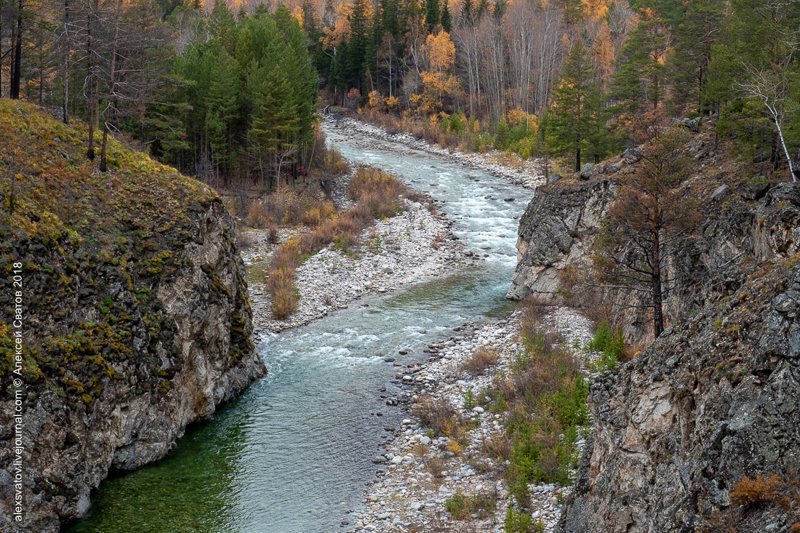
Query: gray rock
[(632, 155), (720, 192)]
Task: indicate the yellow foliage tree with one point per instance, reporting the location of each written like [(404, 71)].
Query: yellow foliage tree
[(603, 51), (439, 81)]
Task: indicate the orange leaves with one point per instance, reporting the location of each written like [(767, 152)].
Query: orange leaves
[(595, 9), (439, 80), (441, 51)]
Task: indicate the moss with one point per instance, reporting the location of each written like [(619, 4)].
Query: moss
[(121, 232)]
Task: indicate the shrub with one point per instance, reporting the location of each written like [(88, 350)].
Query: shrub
[(545, 395), (257, 215), (462, 507), (755, 491), (273, 235), (285, 302), (481, 359), (441, 417), (435, 465), (521, 522), (334, 163), (610, 342)]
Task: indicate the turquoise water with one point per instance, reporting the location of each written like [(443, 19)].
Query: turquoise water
[(294, 452)]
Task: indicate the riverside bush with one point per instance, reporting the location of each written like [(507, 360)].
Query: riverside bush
[(545, 395), (521, 522), (463, 507), (377, 194)]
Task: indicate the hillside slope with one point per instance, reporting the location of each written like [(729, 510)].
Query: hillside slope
[(700, 430), (136, 320)]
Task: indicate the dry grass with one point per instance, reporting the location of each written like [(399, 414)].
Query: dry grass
[(290, 208), (377, 194), (441, 417), (481, 359)]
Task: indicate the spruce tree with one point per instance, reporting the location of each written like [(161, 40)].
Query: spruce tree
[(447, 23), (575, 117), (431, 14)]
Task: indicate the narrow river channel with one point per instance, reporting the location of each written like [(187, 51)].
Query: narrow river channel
[(295, 451)]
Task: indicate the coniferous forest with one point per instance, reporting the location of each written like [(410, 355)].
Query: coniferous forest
[(229, 91)]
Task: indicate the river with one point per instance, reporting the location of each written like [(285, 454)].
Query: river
[(295, 451)]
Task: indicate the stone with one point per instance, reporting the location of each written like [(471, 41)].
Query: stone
[(587, 170), (632, 155), (720, 192)]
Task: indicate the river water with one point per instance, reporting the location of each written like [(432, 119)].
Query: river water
[(294, 452)]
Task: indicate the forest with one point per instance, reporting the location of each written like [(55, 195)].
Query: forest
[(230, 92)]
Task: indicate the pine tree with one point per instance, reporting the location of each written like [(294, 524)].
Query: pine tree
[(447, 23), (357, 46), (431, 14), (222, 104), (696, 35), (640, 80), (575, 121)]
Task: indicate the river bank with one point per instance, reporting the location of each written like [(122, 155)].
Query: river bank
[(526, 173), (411, 247), (424, 474)]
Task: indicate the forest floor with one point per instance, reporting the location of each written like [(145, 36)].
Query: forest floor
[(431, 483), (525, 172)]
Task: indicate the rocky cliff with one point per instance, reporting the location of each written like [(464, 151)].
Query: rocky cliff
[(135, 316), (700, 431), (713, 402), (740, 225)]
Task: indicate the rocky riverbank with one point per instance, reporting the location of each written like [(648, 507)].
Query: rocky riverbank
[(527, 173), (415, 245), (422, 472)]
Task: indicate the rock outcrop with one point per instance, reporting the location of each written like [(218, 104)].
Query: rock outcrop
[(136, 320), (557, 232), (711, 402), (738, 229), (678, 431)]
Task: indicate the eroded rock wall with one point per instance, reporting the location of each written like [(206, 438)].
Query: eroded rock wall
[(130, 348)]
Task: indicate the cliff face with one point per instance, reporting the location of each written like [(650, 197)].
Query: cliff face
[(136, 317), (716, 398), (740, 226), (556, 233), (708, 404)]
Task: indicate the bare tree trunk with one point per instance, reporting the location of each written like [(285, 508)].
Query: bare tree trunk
[(65, 88), (91, 84), (2, 55), (658, 311), (16, 66), (112, 80)]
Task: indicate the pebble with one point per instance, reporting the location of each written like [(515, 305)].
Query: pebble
[(405, 491)]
